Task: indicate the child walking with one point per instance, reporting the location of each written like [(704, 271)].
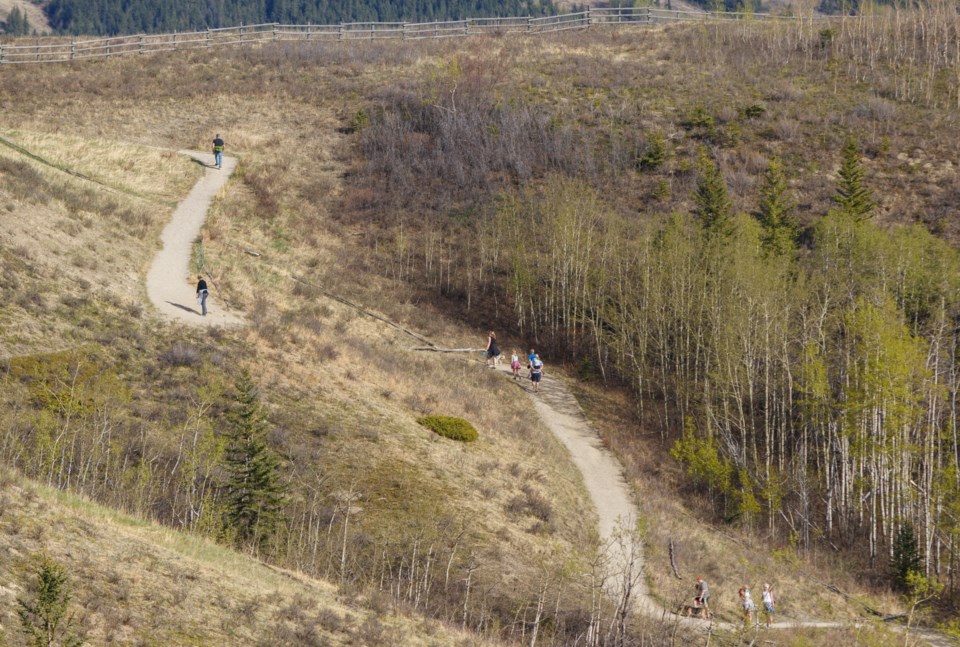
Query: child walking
[(515, 364)]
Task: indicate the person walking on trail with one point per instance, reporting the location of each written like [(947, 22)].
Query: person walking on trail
[(748, 606), (768, 603), (515, 364), (218, 151), (493, 350), (202, 293), (536, 372), (700, 599)]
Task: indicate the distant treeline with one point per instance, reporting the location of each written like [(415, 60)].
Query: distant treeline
[(114, 17)]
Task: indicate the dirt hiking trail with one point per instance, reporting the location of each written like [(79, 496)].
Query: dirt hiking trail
[(616, 512), (171, 286)]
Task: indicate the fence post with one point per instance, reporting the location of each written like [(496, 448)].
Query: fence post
[(403, 33), (241, 34), (174, 41), (2, 60), (340, 33), (529, 25), (466, 27), (209, 36), (275, 30), (141, 43)]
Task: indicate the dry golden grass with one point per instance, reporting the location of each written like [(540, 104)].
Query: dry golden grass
[(319, 363), (135, 582), (345, 387)]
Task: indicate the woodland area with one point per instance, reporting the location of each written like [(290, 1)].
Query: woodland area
[(798, 354), (747, 225), (116, 17)]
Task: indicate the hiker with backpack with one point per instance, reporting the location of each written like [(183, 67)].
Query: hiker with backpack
[(536, 372), (218, 151)]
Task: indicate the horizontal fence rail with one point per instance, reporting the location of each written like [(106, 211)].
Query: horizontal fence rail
[(55, 49)]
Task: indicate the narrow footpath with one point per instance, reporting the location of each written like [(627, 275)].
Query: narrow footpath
[(616, 512), (171, 286)]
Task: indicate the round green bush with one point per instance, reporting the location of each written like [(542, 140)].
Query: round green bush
[(450, 427)]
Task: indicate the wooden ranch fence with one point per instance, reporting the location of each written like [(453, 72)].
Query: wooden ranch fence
[(58, 50)]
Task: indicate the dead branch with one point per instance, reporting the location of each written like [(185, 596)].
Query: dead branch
[(673, 561)]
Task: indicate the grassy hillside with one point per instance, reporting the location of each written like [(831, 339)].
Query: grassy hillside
[(103, 398), (378, 172), (133, 582)]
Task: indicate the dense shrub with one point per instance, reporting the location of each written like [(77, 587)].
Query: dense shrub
[(450, 427)]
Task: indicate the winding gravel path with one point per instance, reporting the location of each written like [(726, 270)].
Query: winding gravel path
[(610, 494), (171, 286)]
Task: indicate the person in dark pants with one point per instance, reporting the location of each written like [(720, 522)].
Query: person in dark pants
[(218, 151), (202, 293)]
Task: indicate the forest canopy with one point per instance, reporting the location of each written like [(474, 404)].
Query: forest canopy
[(114, 17)]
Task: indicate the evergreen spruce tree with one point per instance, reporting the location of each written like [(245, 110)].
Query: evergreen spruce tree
[(713, 205), (779, 227), (44, 618), (17, 23), (906, 556), (255, 493), (655, 154), (852, 196)]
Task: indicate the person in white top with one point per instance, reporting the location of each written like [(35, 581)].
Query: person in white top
[(768, 603)]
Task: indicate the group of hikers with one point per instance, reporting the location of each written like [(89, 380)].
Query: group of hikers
[(702, 594), (492, 354)]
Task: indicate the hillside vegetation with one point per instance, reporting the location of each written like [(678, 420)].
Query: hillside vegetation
[(132, 582), (743, 227), (102, 398)]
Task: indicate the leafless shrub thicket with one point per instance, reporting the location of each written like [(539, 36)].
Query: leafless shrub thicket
[(471, 142), (907, 54)]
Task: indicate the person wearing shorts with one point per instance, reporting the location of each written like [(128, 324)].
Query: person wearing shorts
[(536, 372)]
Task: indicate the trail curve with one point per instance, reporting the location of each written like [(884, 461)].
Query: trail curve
[(170, 284), (616, 511)]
